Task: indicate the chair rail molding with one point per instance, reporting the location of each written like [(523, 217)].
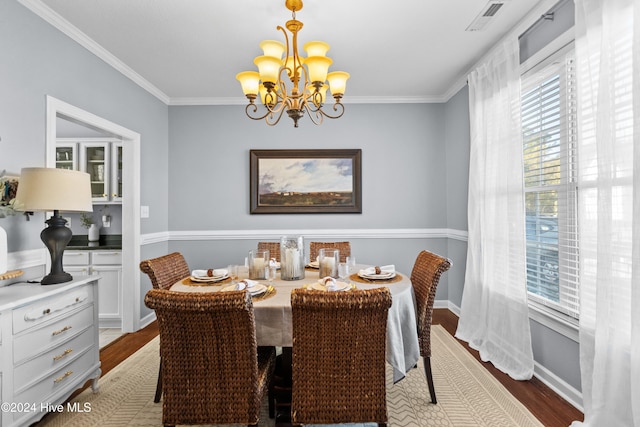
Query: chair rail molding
[(396, 233)]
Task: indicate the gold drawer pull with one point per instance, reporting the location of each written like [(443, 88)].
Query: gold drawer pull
[(60, 356), (66, 374), (66, 328)]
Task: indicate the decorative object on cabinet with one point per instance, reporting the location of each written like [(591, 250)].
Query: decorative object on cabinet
[(93, 231), (306, 181), (4, 251), (50, 346), (51, 189), (8, 190)]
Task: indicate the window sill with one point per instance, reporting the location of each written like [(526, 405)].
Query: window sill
[(555, 321)]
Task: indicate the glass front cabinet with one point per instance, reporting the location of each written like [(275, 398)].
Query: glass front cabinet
[(101, 159), (67, 156)]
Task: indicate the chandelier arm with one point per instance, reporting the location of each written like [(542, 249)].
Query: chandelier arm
[(340, 111), (313, 114), (286, 58), (277, 109), (277, 113)]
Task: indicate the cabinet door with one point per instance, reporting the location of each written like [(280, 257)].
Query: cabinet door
[(94, 158), (67, 155), (116, 172), (109, 295)]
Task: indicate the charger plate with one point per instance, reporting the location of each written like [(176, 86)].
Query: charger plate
[(356, 278), (187, 281)]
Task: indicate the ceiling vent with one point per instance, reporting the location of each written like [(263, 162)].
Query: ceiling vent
[(486, 15)]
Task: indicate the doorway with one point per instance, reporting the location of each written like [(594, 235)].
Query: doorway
[(56, 110)]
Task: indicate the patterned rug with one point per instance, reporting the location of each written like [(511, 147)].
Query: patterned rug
[(467, 394)]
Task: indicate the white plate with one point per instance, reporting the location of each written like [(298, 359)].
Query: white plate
[(340, 286), (314, 264), (381, 276), (254, 290), (208, 279)]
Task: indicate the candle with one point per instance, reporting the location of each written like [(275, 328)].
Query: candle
[(257, 269)]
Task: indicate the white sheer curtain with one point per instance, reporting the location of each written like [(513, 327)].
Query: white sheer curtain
[(494, 314), (608, 76)]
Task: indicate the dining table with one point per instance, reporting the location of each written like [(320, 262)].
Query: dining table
[(273, 317)]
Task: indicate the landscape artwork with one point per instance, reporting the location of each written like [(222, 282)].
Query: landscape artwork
[(305, 181)]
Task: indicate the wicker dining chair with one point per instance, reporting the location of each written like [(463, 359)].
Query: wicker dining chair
[(343, 247), (338, 359), (163, 272), (424, 278), (213, 370), (272, 247)]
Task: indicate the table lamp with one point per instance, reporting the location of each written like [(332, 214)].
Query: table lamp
[(50, 189)]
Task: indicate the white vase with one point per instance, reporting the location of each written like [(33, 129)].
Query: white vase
[(3, 251), (94, 233)]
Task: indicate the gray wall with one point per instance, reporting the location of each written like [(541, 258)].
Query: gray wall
[(39, 60), (404, 178), (457, 148)]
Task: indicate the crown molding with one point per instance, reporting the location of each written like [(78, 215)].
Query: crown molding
[(240, 100), (53, 18)]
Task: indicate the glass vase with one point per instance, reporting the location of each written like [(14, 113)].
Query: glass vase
[(291, 258)]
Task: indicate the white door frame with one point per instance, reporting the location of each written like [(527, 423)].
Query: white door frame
[(130, 202)]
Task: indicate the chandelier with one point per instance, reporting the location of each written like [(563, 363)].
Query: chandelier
[(293, 84)]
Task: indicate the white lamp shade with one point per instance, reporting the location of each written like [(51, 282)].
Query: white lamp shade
[(48, 189), (272, 48), (338, 82), (249, 80), (269, 68), (316, 48), (318, 67)]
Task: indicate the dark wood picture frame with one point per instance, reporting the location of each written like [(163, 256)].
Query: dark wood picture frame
[(300, 181)]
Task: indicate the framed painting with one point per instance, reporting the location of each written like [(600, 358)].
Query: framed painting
[(306, 181)]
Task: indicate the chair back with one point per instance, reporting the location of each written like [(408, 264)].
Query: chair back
[(424, 278), (209, 356), (338, 356), (272, 247), (343, 247), (166, 270)]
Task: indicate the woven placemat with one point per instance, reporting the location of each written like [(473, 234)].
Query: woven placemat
[(271, 291), (356, 278), (187, 281)]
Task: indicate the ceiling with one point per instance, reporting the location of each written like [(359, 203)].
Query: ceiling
[(189, 51)]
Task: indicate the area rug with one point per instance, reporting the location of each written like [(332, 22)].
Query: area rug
[(468, 395)]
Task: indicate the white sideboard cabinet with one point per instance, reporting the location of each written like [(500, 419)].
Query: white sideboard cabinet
[(48, 346)]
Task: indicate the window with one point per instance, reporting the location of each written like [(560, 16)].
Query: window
[(550, 163)]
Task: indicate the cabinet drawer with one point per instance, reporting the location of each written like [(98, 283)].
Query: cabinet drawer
[(56, 381), (38, 313), (106, 257), (75, 258), (52, 359), (51, 335)]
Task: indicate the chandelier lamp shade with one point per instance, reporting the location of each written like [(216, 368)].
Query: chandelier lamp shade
[(286, 81)]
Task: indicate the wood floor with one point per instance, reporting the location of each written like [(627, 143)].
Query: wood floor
[(547, 406)]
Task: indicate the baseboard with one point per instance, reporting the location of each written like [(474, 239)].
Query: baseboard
[(551, 380), (557, 384), (147, 320)]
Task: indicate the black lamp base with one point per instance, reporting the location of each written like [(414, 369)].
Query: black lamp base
[(56, 237), (54, 279)]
